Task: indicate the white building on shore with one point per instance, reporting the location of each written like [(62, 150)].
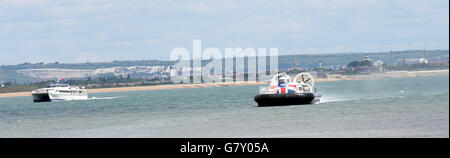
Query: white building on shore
[(378, 63)]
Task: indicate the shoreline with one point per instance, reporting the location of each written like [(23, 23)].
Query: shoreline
[(141, 88), (391, 74)]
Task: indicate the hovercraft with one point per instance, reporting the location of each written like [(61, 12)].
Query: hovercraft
[(283, 91)]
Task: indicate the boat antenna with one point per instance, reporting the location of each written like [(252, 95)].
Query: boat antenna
[(423, 54)]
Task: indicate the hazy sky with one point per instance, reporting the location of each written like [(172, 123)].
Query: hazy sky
[(105, 30)]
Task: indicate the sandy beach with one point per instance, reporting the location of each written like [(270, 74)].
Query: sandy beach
[(391, 74)]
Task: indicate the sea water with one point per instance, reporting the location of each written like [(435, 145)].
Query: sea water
[(393, 107)]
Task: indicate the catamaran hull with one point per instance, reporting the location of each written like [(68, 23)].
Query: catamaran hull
[(47, 97), (41, 97), (61, 96), (287, 99)]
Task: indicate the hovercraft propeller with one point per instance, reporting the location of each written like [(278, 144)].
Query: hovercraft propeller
[(304, 80)]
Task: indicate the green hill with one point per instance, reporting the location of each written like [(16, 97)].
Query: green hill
[(8, 73)]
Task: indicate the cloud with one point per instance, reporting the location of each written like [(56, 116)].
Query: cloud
[(137, 29), (201, 7), (76, 10), (23, 3)]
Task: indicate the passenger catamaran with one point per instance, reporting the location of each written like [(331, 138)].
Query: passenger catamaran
[(57, 91)]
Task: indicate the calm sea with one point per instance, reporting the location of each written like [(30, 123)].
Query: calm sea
[(398, 107)]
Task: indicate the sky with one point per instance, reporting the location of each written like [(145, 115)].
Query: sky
[(74, 31)]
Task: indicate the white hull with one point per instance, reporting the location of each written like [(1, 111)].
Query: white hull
[(44, 97), (62, 96)]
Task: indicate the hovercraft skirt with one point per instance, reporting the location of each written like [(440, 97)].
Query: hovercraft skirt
[(284, 99)]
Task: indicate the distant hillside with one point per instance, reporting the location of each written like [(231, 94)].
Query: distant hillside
[(344, 58), (28, 72), (86, 65)]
